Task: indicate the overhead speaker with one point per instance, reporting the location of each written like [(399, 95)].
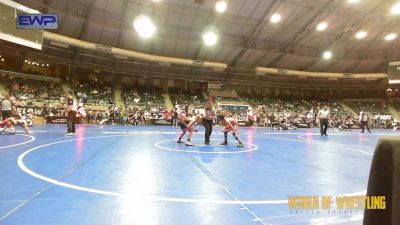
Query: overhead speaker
[(394, 72)]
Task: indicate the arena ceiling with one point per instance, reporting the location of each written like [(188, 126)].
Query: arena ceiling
[(247, 37)]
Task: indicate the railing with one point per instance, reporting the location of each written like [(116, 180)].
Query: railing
[(30, 76)]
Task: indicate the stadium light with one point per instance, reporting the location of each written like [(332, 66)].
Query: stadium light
[(361, 34), (391, 37), (322, 26), (327, 55), (276, 18), (210, 38), (144, 26), (396, 9), (352, 1), (221, 6)]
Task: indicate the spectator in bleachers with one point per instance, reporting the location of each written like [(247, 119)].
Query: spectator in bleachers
[(94, 92)]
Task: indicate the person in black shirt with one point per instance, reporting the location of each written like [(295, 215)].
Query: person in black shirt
[(207, 122), (70, 113), (174, 114)]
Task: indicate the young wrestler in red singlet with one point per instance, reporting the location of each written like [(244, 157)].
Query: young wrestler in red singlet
[(230, 124)]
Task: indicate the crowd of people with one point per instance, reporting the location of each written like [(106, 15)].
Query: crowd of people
[(375, 108), (26, 100), (292, 113), (190, 101), (144, 104), (142, 96), (31, 92), (94, 92)]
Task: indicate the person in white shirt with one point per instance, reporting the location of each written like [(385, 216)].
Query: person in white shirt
[(324, 116), (364, 121)]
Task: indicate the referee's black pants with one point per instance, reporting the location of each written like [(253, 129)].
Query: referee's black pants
[(71, 120), (208, 125), (5, 114), (324, 126), (363, 125)]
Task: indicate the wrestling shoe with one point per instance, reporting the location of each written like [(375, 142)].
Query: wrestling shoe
[(69, 134), (224, 143), (240, 145), (179, 142), (207, 142), (189, 144)]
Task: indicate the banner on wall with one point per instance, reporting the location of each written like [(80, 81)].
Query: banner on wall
[(32, 109), (38, 111), (243, 123), (56, 120), (161, 122), (353, 126), (302, 125)]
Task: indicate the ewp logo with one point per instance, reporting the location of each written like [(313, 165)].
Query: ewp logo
[(37, 21)]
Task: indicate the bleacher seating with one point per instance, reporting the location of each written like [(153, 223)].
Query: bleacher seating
[(334, 107), (141, 97), (33, 92), (148, 102), (375, 108), (94, 93), (191, 99), (266, 105)]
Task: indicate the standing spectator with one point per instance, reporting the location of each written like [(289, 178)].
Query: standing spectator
[(250, 116), (323, 116), (174, 118), (81, 114), (166, 115), (71, 113), (7, 107)]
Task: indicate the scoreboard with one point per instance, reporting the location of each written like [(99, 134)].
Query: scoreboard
[(394, 72), (9, 11)]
